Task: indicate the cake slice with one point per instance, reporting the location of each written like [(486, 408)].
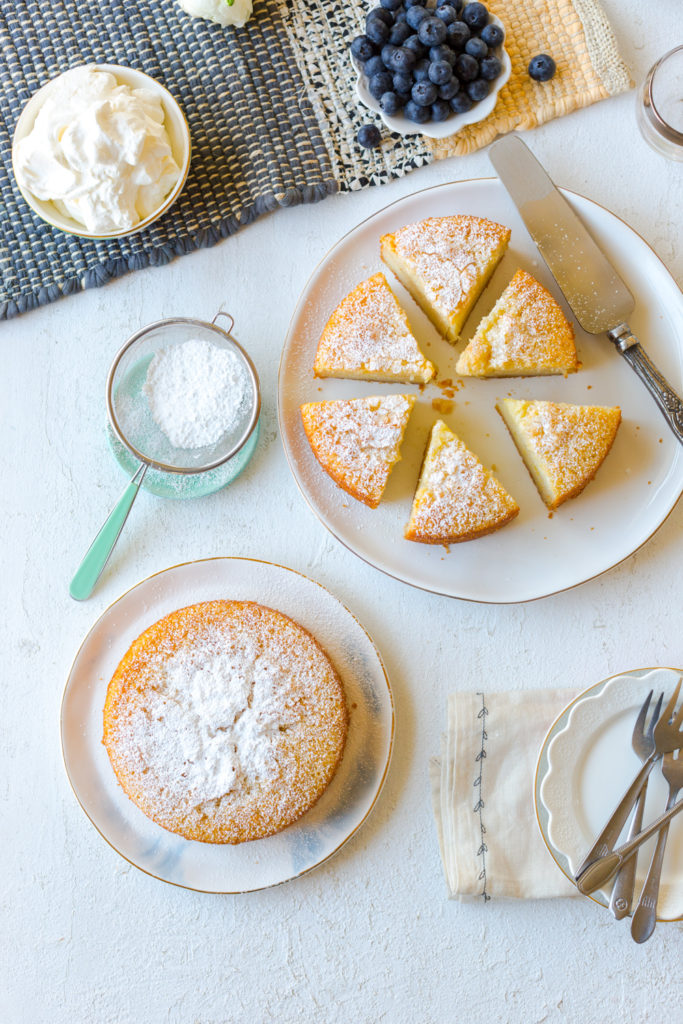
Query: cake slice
[(357, 441), (526, 334), (456, 498), (563, 446), (445, 263), (368, 338)]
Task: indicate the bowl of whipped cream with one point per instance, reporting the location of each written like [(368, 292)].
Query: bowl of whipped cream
[(101, 151)]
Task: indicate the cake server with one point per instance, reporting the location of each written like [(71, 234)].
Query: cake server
[(599, 299)]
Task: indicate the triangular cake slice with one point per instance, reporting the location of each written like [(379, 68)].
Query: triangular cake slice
[(526, 334), (368, 338), (445, 263), (357, 441), (563, 446), (456, 498)]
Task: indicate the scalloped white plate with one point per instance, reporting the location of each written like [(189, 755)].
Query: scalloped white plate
[(454, 124), (585, 765), (344, 805)]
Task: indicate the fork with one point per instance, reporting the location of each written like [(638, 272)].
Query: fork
[(645, 917), (667, 736), (643, 742)]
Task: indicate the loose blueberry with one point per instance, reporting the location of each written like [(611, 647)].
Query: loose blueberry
[(542, 67), (431, 32), (369, 136), (476, 48), (414, 112), (442, 52), (458, 34), (362, 48), (403, 83), (390, 103), (492, 35), (476, 16), (382, 15), (466, 67), (490, 68), (399, 34), (440, 72), (448, 91), (379, 84), (425, 93), (377, 31), (461, 103), (373, 66), (391, 5), (447, 14), (415, 16), (414, 44), (387, 52), (441, 110), (421, 71), (402, 60), (478, 89)]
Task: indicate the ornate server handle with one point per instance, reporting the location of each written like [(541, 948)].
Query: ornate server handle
[(662, 392)]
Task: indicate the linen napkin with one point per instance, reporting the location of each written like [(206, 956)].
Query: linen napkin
[(483, 795)]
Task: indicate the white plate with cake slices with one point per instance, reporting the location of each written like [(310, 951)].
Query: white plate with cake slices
[(322, 830), (538, 553), (586, 764)]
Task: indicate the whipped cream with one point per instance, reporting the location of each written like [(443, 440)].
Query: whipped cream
[(224, 12), (99, 151)]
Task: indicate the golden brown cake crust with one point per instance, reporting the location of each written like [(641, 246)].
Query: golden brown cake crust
[(357, 441), (525, 334), (456, 499), (225, 721)]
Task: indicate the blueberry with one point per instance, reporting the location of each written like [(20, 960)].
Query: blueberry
[(379, 84), (475, 15), (377, 31), (413, 3), (402, 60), (455, 4), (416, 15), (414, 44), (490, 68), (373, 66), (391, 5), (542, 67), (424, 93), (466, 68), (461, 103), (421, 71), (478, 89), (442, 52), (448, 91), (440, 72), (390, 103), (458, 34), (362, 48), (492, 35), (432, 31), (476, 48), (399, 34), (368, 136), (414, 112), (387, 52), (382, 15), (441, 110), (403, 83), (447, 14)]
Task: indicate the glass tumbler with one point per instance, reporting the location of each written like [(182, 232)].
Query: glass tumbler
[(659, 105)]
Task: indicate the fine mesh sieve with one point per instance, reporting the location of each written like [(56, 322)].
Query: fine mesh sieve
[(146, 447)]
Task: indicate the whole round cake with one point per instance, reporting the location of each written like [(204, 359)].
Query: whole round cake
[(225, 721)]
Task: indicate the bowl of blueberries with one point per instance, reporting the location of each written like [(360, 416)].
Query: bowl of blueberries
[(430, 66)]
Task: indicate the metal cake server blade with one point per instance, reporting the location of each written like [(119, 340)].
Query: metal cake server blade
[(599, 299)]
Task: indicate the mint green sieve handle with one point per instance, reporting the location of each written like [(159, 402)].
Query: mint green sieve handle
[(97, 555)]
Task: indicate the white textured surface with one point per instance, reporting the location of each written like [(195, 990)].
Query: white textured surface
[(370, 936)]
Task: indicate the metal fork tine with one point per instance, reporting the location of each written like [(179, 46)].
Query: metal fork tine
[(639, 723), (655, 715), (669, 709)]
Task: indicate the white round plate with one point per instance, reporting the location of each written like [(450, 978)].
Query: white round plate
[(538, 553), (346, 802), (584, 768), (441, 129)]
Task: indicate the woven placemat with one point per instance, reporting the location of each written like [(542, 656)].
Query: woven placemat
[(272, 112)]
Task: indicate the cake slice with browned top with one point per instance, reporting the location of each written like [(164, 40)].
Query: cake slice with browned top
[(456, 498), (368, 337), (563, 446), (357, 441), (445, 263), (526, 334)]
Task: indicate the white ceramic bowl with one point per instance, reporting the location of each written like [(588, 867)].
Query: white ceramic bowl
[(175, 124), (441, 129)]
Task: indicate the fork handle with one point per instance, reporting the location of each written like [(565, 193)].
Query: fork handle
[(607, 839), (645, 917), (621, 898)]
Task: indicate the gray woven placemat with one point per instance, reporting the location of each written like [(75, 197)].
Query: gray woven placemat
[(261, 135)]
